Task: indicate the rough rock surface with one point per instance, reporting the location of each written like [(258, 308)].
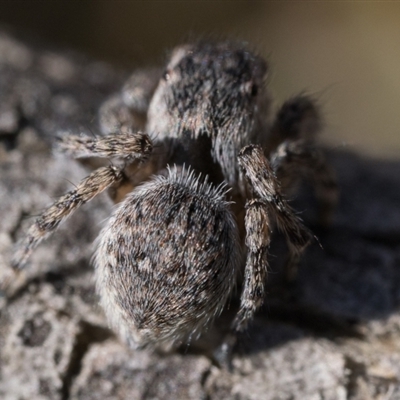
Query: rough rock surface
[(334, 334)]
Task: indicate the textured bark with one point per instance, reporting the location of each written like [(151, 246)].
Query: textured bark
[(333, 334)]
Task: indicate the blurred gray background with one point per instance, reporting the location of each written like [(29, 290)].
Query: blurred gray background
[(347, 54)]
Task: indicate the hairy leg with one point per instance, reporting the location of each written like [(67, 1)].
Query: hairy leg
[(127, 109), (294, 155), (128, 146), (298, 118), (294, 159), (51, 218), (266, 187), (268, 201), (258, 233)]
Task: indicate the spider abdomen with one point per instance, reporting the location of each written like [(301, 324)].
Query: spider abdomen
[(166, 262)]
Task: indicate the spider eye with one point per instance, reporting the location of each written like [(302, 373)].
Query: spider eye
[(166, 75), (254, 90)]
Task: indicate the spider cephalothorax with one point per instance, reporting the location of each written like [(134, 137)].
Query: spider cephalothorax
[(215, 91), (166, 261)]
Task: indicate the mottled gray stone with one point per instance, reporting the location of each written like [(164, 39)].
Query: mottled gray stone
[(303, 369), (38, 345), (110, 371)]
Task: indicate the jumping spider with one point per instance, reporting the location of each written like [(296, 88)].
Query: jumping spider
[(167, 259)]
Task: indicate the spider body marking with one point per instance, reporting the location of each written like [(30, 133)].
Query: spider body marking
[(167, 259)]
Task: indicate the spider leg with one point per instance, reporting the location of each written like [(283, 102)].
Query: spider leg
[(294, 159), (266, 187), (128, 146), (298, 118), (258, 233), (51, 218), (127, 109), (296, 125)]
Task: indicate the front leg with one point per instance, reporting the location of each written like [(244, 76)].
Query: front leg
[(294, 159), (298, 118), (258, 234), (258, 237), (127, 109), (128, 146), (268, 199), (266, 187)]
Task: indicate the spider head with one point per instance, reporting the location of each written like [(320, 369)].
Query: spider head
[(212, 89)]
